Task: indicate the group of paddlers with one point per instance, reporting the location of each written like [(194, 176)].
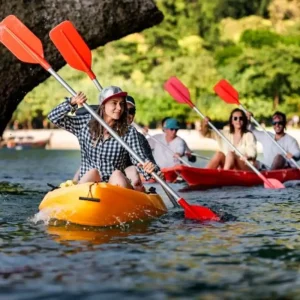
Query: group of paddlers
[(104, 159)]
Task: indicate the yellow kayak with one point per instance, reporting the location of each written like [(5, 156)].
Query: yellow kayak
[(101, 204)]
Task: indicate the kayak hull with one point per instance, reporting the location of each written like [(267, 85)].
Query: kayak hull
[(212, 178), (101, 204)]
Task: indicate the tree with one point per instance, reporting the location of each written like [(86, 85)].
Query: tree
[(269, 74), (96, 20)]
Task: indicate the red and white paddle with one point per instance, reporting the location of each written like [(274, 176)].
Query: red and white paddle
[(182, 95), (28, 48), (77, 54), (230, 95)]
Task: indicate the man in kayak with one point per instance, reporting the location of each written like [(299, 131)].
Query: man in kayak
[(274, 159), (102, 157), (131, 170), (188, 152), (169, 138), (239, 136)]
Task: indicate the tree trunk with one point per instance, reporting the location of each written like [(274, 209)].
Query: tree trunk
[(99, 21), (276, 101)]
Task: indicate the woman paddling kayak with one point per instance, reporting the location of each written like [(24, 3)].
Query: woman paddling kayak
[(102, 157), (239, 136), (130, 171)]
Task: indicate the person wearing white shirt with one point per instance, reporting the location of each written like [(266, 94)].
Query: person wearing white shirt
[(274, 159), (169, 138), (239, 136)]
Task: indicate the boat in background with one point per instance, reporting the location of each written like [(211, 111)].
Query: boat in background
[(23, 143), (169, 173), (214, 178)]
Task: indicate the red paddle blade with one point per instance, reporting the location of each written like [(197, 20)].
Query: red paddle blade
[(17, 38), (178, 91), (227, 92), (272, 183), (72, 47), (197, 212)]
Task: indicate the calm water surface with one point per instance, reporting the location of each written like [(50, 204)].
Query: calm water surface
[(254, 253)]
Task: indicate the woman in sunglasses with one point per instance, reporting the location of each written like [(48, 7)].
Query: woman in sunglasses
[(274, 159), (239, 136)]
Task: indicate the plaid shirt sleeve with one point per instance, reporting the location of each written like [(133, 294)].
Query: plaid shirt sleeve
[(59, 117), (134, 142), (147, 150)]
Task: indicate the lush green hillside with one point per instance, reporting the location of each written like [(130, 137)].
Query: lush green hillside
[(254, 44)]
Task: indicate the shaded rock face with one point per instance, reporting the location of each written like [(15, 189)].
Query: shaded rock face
[(99, 21)]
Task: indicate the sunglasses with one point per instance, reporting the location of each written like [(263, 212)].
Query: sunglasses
[(237, 118), (277, 123), (131, 111), (173, 129)]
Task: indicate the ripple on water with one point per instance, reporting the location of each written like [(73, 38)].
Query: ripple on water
[(253, 253)]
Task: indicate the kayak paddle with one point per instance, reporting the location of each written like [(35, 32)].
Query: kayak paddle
[(28, 48), (77, 54), (230, 95), (182, 95), (163, 145)]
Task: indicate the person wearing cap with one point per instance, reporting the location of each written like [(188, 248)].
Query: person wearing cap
[(102, 157), (188, 152), (169, 138), (131, 171)]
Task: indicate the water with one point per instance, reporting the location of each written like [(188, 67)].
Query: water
[(254, 253)]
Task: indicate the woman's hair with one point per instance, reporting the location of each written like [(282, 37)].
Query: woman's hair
[(120, 126), (245, 121)]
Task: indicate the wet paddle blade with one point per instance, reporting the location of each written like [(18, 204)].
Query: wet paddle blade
[(197, 212), (227, 92), (72, 47), (273, 183), (17, 38), (178, 91)]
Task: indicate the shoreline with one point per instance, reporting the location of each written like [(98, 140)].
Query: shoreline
[(62, 140)]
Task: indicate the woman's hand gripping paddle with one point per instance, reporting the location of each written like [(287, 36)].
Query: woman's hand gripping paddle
[(78, 55), (230, 95), (182, 95)]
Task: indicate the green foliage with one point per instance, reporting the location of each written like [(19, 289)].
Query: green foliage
[(240, 8), (223, 55), (259, 38), (200, 42), (269, 73)]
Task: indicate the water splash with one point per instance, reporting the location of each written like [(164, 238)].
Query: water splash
[(42, 216)]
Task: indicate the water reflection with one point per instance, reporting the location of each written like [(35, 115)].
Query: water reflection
[(254, 253), (71, 232)]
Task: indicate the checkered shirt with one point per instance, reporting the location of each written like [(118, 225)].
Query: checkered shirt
[(106, 156), (147, 151)]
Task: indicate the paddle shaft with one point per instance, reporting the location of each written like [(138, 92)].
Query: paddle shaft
[(200, 156), (159, 142), (175, 198), (264, 179), (99, 87), (271, 138)]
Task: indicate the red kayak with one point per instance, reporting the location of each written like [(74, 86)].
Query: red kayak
[(169, 173), (211, 178)]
